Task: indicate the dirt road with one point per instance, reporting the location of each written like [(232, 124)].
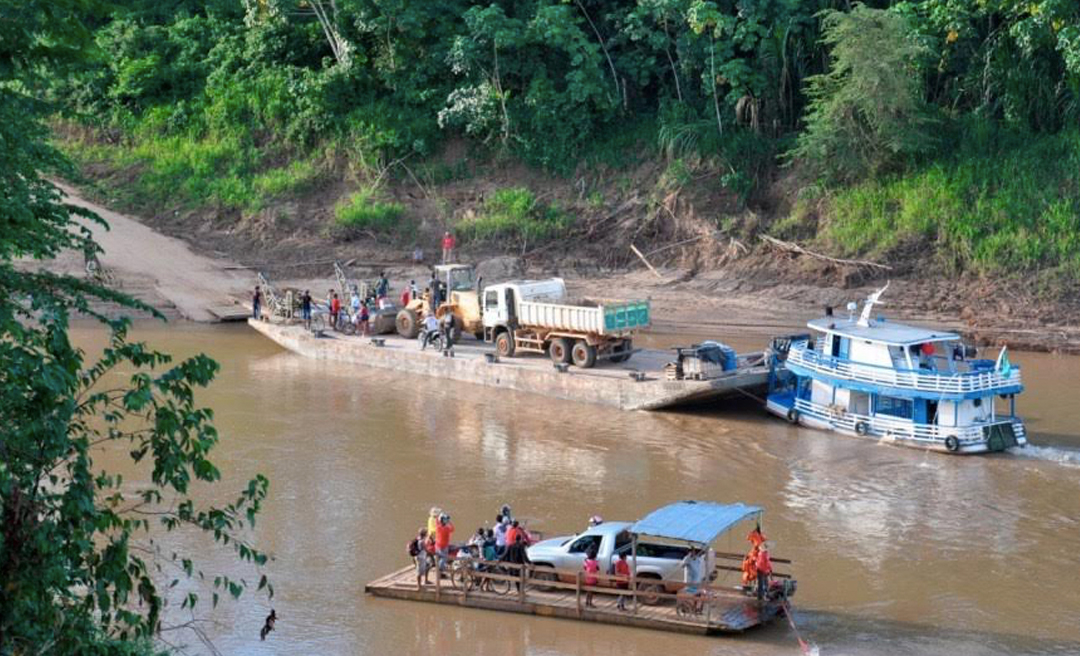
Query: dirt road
[(160, 270)]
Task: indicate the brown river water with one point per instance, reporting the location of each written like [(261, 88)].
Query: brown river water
[(896, 551)]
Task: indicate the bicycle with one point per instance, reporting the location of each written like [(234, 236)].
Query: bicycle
[(693, 604), (468, 573)]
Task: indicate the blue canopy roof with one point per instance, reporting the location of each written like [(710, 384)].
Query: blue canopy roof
[(693, 521)]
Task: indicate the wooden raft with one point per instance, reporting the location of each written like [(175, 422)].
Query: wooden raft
[(728, 610)]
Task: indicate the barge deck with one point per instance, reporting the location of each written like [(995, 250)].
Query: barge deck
[(638, 384), (729, 611)]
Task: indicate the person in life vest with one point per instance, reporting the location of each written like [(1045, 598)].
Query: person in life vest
[(749, 564), (764, 570)]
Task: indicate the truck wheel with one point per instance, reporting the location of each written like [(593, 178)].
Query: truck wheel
[(624, 353), (649, 593), (583, 354), (559, 351), (407, 325), (544, 573), (504, 345)]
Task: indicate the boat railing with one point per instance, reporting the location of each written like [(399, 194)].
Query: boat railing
[(925, 381), (905, 428)]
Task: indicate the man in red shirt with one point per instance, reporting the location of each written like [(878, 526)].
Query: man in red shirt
[(442, 539), (448, 244), (764, 570), (335, 310), (622, 569)]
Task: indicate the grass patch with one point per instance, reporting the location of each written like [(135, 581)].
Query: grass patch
[(514, 213), (1003, 203), (361, 212)]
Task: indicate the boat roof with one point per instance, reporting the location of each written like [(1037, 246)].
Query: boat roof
[(693, 521), (882, 331)]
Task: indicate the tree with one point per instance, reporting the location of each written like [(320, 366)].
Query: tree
[(866, 114), (79, 571)]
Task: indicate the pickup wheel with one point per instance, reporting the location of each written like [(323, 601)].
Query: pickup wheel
[(542, 573), (649, 593), (559, 351), (583, 354), (504, 345)]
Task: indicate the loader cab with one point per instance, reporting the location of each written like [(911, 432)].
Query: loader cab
[(457, 277)]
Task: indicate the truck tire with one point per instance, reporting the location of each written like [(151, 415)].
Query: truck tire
[(624, 352), (543, 572), (504, 345), (559, 350), (583, 354), (649, 593), (407, 325)]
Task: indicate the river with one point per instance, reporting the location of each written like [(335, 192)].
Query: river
[(896, 551)]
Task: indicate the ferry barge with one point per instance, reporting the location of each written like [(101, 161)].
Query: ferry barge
[(892, 382)]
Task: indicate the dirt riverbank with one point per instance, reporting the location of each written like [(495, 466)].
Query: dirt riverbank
[(746, 295)]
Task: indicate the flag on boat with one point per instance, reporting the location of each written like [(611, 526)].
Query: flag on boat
[(1003, 364)]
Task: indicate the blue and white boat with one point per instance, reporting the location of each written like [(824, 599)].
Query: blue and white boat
[(892, 382)]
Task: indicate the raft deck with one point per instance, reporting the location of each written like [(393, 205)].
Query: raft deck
[(637, 384), (728, 611)]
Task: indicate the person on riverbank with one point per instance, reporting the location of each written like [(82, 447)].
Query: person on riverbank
[(443, 532), (448, 244), (414, 291), (449, 322), (305, 308), (592, 568), (418, 255), (622, 570), (335, 309), (363, 323), (382, 288), (355, 301), (418, 552), (431, 328), (256, 303)]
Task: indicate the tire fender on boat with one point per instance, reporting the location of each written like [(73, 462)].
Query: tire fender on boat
[(952, 444), (793, 416), (862, 428)]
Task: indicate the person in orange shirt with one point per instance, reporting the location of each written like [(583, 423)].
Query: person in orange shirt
[(764, 570), (443, 532), (513, 532), (622, 569)]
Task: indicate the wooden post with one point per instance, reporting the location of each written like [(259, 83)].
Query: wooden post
[(521, 592), (438, 581), (577, 592), (633, 566), (642, 257)]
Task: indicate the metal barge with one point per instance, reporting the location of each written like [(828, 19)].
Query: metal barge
[(639, 384)]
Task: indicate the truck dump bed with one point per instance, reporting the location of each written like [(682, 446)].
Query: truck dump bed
[(608, 319)]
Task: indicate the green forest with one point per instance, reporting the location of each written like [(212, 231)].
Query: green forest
[(949, 128)]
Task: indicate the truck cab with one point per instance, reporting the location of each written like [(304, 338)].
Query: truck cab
[(500, 301)]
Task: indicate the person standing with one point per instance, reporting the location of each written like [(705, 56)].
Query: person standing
[(256, 303), (431, 328), (622, 570), (305, 308), (448, 324), (592, 568), (764, 570), (418, 552), (517, 554), (414, 291), (448, 244), (364, 321), (382, 288), (335, 310), (443, 532), (502, 525), (417, 255)]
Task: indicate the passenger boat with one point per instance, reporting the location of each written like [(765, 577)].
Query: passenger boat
[(892, 382)]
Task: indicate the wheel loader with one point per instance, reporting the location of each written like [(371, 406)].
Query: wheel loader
[(459, 286)]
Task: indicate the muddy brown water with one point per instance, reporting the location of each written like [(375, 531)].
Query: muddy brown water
[(896, 551)]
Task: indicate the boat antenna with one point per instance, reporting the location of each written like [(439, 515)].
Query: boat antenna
[(868, 306)]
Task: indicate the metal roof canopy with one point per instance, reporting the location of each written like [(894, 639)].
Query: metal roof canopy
[(699, 522), (884, 332)]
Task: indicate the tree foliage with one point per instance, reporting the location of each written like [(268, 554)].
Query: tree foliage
[(866, 114), (80, 572)]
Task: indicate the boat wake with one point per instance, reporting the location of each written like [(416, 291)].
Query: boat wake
[(1062, 456)]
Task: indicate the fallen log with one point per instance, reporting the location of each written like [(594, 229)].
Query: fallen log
[(792, 247)]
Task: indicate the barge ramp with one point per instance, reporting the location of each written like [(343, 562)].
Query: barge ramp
[(638, 384)]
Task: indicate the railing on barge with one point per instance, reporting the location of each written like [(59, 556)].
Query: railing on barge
[(563, 593), (952, 383)]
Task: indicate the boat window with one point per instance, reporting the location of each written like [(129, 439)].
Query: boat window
[(894, 407), (584, 543)]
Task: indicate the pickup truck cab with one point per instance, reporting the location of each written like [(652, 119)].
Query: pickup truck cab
[(655, 559)]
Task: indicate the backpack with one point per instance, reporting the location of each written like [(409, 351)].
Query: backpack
[(414, 550)]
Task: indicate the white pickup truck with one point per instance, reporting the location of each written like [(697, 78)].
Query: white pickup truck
[(655, 560), (533, 316)]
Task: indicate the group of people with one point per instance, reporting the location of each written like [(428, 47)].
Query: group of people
[(507, 542)]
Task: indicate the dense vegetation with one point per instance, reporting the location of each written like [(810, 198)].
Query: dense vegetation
[(80, 571), (919, 118)]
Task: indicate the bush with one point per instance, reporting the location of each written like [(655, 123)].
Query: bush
[(514, 213), (360, 212)]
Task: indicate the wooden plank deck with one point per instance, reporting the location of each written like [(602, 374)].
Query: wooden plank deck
[(731, 613)]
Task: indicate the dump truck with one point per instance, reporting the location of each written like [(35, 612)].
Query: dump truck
[(459, 285), (534, 316)]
